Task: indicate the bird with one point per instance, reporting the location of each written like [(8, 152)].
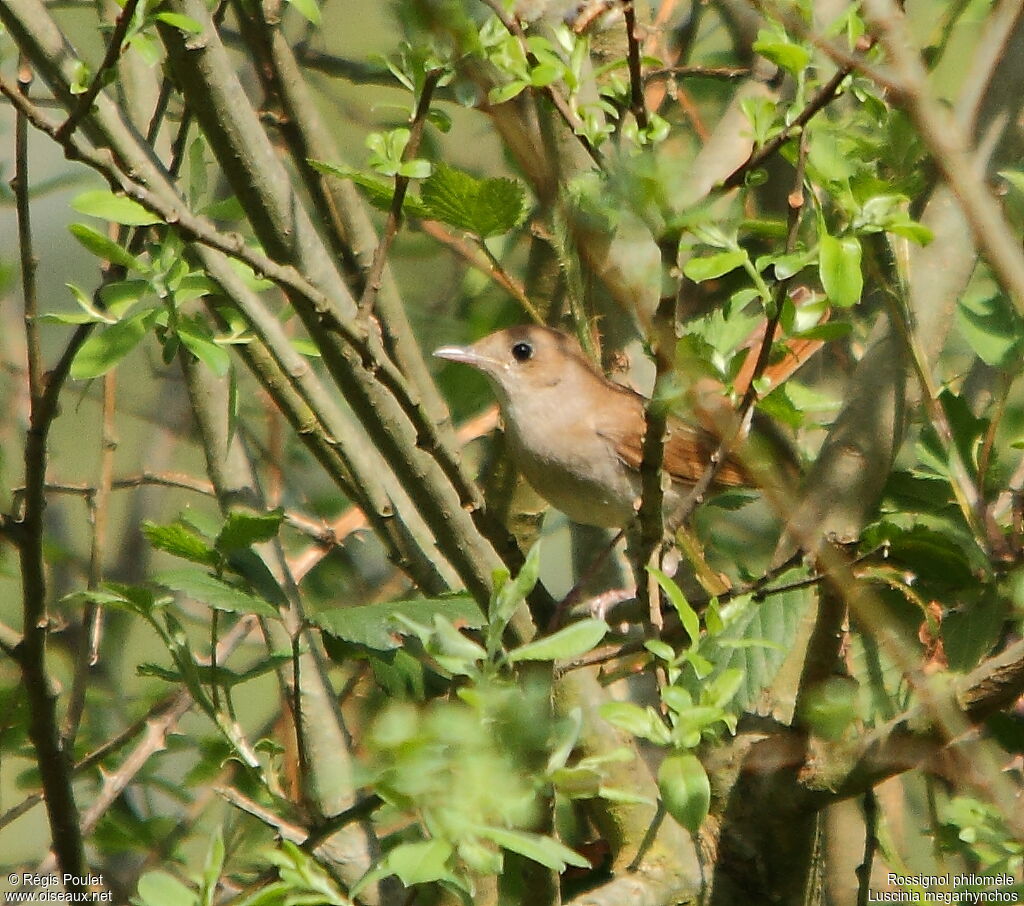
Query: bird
[(576, 436)]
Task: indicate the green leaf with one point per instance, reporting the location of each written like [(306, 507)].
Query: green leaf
[(830, 708), (687, 615), (214, 592), (757, 637), (93, 314), (214, 357), (183, 23), (501, 94), (510, 595), (157, 888), (104, 349), (418, 863), (452, 650), (570, 642), (179, 540), (119, 297), (643, 722), (993, 328), (374, 625), (379, 192), (713, 266), (545, 850), (685, 790), (484, 207), (775, 45), (308, 9), (116, 208), (104, 247), (723, 688), (839, 268), (194, 285), (229, 208), (244, 529)]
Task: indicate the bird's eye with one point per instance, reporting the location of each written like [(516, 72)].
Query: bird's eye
[(521, 352)]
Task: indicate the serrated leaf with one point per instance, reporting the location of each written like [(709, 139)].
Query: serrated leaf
[(103, 350), (115, 208), (712, 266), (756, 637), (214, 592), (839, 269), (104, 247), (180, 541), (374, 625), (483, 207), (545, 850), (570, 642), (242, 530), (685, 790)]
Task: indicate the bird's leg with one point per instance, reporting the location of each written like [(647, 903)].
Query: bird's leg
[(576, 592)]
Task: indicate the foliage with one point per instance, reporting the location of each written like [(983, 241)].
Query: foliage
[(388, 702)]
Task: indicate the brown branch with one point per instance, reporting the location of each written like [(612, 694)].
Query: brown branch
[(708, 72), (51, 756), (92, 614), (911, 738)]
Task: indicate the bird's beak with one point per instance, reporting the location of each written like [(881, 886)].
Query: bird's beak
[(465, 354)]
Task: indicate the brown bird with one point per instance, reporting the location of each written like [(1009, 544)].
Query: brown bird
[(576, 436)]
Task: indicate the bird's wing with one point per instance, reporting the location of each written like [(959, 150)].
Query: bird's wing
[(688, 449)]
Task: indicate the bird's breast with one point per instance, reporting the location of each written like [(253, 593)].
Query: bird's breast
[(560, 453)]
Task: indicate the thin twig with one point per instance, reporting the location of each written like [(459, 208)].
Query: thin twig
[(394, 219), (821, 99), (707, 72), (92, 614), (99, 79), (636, 79), (51, 756), (966, 490), (745, 410), (950, 150), (505, 279), (554, 95), (870, 804), (29, 262)]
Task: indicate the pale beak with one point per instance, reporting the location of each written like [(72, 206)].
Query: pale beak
[(467, 355), (457, 354)]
